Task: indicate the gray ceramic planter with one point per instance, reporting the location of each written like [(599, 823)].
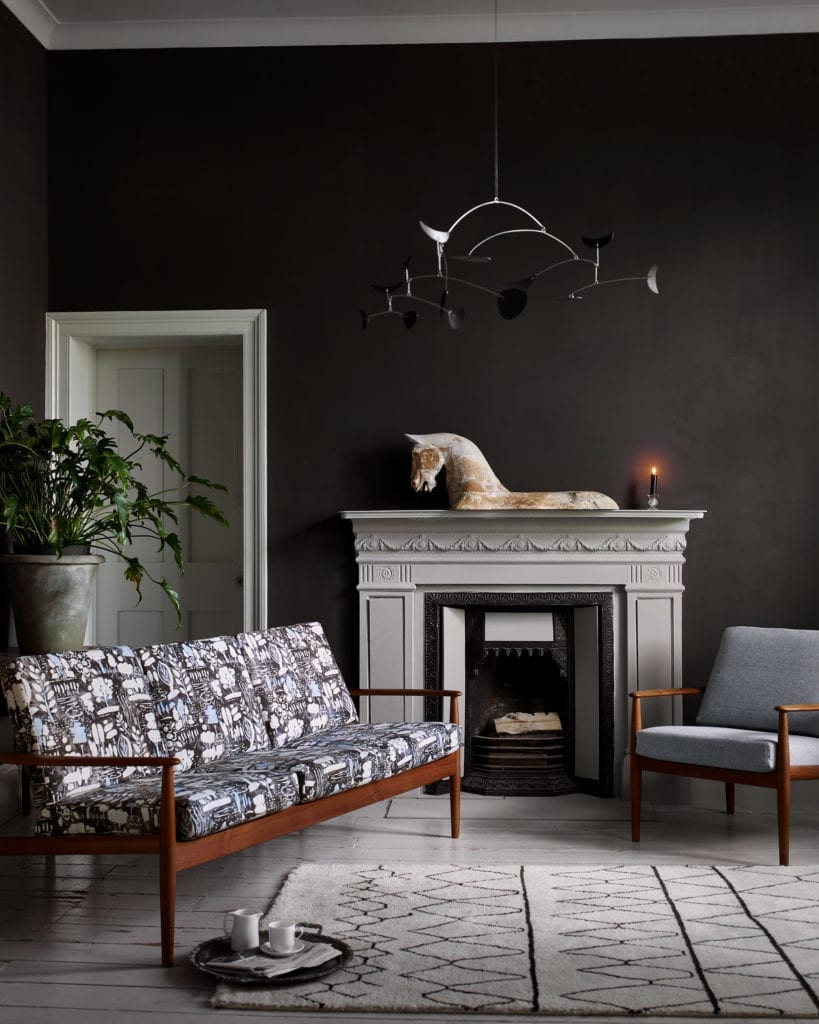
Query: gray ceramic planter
[(50, 599)]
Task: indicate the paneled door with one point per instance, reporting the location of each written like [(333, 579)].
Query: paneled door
[(194, 395)]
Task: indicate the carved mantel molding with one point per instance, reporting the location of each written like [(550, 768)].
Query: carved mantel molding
[(472, 542)]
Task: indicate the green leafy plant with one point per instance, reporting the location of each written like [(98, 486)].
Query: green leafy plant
[(67, 486)]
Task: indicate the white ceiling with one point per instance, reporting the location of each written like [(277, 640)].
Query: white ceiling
[(134, 24)]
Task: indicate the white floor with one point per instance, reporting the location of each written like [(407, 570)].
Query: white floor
[(79, 936)]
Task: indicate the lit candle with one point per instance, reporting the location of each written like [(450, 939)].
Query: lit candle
[(653, 488)]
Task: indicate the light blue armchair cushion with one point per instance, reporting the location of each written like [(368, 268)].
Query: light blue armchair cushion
[(743, 750), (756, 669)]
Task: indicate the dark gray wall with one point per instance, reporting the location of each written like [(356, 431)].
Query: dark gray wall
[(23, 224), (23, 211), (289, 179)]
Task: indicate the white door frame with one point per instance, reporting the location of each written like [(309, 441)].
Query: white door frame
[(69, 371)]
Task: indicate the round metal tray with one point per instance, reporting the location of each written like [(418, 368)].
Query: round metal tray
[(220, 946)]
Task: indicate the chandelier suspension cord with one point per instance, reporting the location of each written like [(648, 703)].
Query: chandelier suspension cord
[(497, 187), (512, 299)]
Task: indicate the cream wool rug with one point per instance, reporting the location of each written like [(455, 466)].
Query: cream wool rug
[(603, 941)]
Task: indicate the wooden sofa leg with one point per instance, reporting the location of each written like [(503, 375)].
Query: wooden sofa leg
[(636, 787), (455, 801), (167, 866), (730, 794), (167, 908)]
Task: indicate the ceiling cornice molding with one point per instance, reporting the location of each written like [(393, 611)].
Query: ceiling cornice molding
[(409, 29), (39, 21)]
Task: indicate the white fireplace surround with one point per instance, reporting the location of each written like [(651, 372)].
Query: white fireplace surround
[(635, 556)]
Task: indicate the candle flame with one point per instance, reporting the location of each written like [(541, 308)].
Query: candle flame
[(654, 469)]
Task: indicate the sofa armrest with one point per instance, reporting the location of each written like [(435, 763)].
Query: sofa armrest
[(453, 695), (636, 710), (788, 708)]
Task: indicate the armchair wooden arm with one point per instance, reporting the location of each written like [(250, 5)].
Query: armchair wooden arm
[(788, 708), (636, 710), (454, 715), (674, 692)]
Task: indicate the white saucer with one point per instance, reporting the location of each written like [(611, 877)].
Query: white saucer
[(265, 948)]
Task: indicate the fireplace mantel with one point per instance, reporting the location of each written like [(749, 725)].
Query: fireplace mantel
[(635, 555), (520, 530)]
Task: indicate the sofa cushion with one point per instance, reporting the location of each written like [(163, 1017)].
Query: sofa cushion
[(205, 704), (352, 755), (95, 702), (206, 802), (757, 668), (743, 750), (297, 681)]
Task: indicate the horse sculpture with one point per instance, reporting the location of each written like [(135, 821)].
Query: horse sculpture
[(471, 484)]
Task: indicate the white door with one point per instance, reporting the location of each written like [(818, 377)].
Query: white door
[(194, 395)]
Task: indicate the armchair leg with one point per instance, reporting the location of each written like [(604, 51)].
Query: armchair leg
[(783, 815), (729, 797), (636, 786)]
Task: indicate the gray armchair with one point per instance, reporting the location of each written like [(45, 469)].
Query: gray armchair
[(758, 723)]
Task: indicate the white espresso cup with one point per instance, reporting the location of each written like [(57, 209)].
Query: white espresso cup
[(242, 928), (282, 935)]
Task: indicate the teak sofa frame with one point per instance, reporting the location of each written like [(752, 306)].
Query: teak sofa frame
[(779, 779), (175, 856)]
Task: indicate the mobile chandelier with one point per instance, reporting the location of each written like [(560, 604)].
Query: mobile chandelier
[(400, 297)]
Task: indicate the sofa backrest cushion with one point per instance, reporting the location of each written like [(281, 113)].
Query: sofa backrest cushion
[(94, 702), (297, 680), (204, 701), (756, 669)]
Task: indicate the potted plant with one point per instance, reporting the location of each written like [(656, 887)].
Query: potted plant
[(67, 492)]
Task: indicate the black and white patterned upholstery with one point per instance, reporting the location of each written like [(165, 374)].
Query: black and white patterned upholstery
[(95, 702), (259, 722), (205, 704), (254, 784), (297, 681), (206, 802), (352, 755)]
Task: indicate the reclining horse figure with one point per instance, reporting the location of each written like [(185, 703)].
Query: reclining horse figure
[(471, 484)]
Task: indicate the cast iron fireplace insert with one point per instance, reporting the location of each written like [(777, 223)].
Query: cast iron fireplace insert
[(527, 677)]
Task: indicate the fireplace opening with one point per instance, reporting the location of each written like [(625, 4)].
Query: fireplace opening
[(519, 717), (537, 675)]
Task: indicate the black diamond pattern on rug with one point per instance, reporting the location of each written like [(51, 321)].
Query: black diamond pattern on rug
[(605, 941)]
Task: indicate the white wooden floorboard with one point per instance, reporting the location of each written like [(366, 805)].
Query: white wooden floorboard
[(79, 937), (574, 807)]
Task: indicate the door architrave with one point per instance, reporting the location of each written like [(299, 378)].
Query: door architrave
[(71, 339)]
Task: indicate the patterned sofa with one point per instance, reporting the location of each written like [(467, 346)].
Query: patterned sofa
[(196, 750)]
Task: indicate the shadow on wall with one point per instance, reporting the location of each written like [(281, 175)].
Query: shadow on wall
[(321, 550), (382, 476)]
